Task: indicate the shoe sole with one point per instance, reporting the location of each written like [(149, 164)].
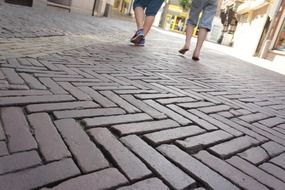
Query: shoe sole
[(137, 39)]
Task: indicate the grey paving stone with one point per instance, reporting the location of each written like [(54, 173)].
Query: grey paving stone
[(217, 123), (104, 179), (231, 173), (2, 133), (172, 175), (175, 100), (273, 148), (204, 124), (50, 143), (144, 127), (118, 119), (19, 161), (255, 155), (173, 115), (144, 107), (88, 113), (226, 114), (274, 170), (257, 173), (52, 86), (39, 176), (154, 96), (9, 101), (196, 143), (32, 81), (254, 117), (192, 166), (12, 76), (3, 148), (152, 183), (60, 106), (271, 122), (19, 136), (215, 109), (132, 167), (279, 160), (226, 149), (192, 105), (169, 135), (74, 91), (87, 155), (24, 92), (100, 99), (120, 101)]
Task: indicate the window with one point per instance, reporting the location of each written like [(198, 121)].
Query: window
[(280, 42)]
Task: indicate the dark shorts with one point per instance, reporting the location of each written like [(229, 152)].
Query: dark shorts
[(151, 7)]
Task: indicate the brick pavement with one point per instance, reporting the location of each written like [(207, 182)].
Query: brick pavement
[(80, 109)]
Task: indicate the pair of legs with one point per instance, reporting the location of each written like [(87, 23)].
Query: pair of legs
[(201, 38)]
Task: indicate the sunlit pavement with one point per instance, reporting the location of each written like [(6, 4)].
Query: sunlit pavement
[(81, 108)]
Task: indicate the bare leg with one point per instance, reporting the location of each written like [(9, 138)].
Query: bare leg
[(147, 24), (189, 33), (201, 38), (139, 15)]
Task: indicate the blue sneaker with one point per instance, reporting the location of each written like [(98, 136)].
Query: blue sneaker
[(140, 43), (139, 35)]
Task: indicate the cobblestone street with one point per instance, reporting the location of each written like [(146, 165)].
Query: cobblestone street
[(80, 108)]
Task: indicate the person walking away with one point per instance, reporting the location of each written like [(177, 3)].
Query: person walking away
[(208, 9), (145, 11)]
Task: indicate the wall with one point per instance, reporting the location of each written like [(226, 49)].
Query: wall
[(82, 6)]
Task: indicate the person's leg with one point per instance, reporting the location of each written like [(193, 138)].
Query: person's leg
[(147, 24), (201, 38), (139, 16), (189, 33)]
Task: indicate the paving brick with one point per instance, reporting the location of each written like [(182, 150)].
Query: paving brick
[(120, 154), (231, 173), (233, 146), (175, 100), (152, 183), (2, 133), (217, 123), (269, 130), (144, 127), (104, 179), (118, 119), (271, 122), (204, 124), (257, 173), (273, 148), (195, 168), (24, 92), (8, 101), (3, 148), (192, 105), (226, 114), (169, 135), (88, 113), (103, 101), (274, 170), (12, 76), (17, 130), (240, 128), (255, 155), (87, 155), (172, 175), (32, 81), (120, 101), (144, 107), (214, 109), (50, 143), (254, 117), (279, 160), (74, 91), (154, 96), (60, 106), (52, 86), (19, 161), (173, 115), (39, 176), (196, 143)]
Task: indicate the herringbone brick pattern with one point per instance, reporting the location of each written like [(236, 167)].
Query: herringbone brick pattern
[(111, 116)]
